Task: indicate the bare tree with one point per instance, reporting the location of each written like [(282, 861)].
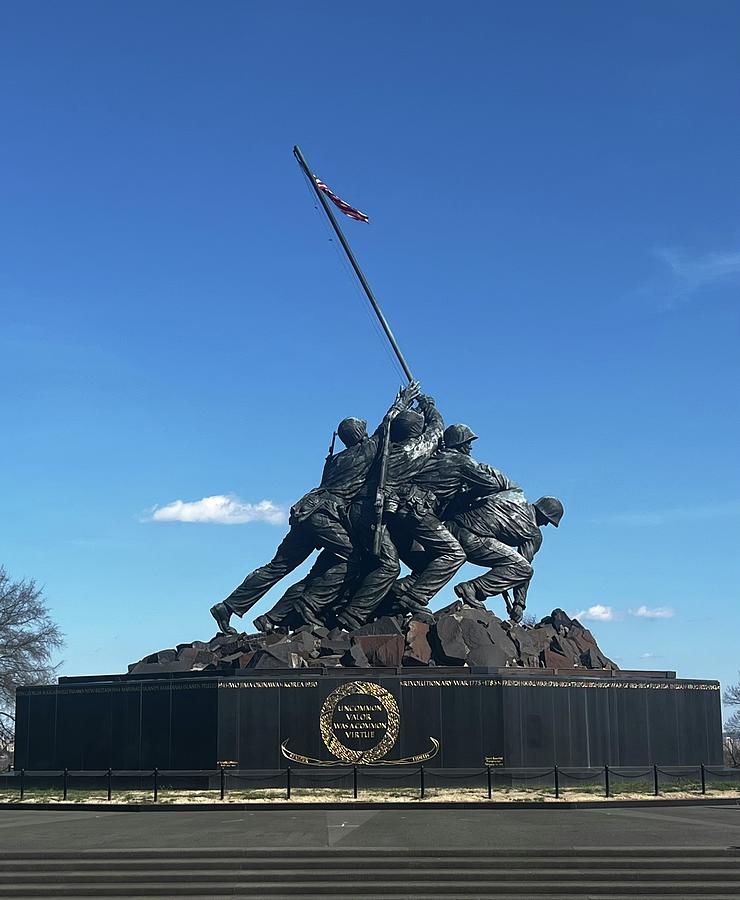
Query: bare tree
[(28, 641), (731, 741), (732, 694), (731, 737)]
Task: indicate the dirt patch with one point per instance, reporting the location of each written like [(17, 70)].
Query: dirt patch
[(379, 795)]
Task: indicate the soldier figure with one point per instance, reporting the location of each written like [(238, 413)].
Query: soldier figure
[(449, 473), (317, 521), (414, 436), (502, 532)]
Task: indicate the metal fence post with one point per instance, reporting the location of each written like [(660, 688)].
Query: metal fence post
[(20, 774)]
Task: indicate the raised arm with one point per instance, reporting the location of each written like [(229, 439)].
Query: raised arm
[(434, 426), (483, 479), (404, 398)]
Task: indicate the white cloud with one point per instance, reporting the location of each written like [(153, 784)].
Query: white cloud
[(691, 273), (655, 612), (647, 655), (597, 613), (220, 509), (683, 275)]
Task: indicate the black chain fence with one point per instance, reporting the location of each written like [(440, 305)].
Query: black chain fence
[(387, 780)]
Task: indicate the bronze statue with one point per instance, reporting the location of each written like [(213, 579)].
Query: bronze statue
[(411, 491)]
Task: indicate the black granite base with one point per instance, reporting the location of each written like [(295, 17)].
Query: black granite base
[(501, 717)]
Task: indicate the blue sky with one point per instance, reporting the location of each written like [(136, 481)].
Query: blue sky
[(554, 236)]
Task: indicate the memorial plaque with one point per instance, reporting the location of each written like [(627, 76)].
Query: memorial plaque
[(359, 722)]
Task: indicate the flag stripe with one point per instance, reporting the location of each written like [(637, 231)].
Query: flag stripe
[(337, 201)]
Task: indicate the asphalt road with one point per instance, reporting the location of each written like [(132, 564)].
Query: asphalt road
[(706, 826)]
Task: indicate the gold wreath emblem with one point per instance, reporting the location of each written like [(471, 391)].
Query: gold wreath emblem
[(332, 741)]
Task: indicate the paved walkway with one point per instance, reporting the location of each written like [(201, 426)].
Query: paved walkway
[(707, 826)]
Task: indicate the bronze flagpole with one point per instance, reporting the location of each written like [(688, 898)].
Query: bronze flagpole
[(353, 262)]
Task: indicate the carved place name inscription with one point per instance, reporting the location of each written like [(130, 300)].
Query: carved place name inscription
[(605, 684)]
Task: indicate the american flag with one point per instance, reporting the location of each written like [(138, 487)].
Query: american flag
[(345, 207)]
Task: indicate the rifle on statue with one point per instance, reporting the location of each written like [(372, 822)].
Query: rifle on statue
[(330, 454), (380, 489)]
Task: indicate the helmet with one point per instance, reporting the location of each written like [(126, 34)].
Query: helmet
[(458, 434), (351, 431), (551, 508), (407, 424)]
